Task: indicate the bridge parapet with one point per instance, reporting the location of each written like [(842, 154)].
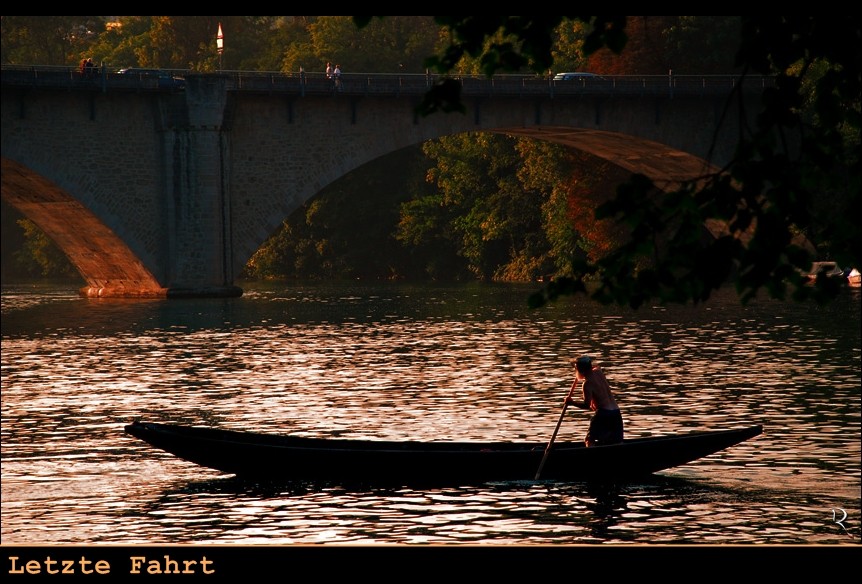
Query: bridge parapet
[(527, 86)]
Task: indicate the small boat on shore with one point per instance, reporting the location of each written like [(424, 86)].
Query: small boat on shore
[(828, 269), (282, 457)]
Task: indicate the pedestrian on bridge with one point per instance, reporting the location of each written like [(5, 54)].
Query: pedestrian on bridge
[(336, 74)]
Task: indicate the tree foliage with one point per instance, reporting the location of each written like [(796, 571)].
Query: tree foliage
[(40, 256), (504, 43), (501, 203), (396, 44), (47, 40), (701, 44)]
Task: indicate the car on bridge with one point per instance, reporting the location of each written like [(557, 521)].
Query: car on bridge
[(164, 79), (576, 76)]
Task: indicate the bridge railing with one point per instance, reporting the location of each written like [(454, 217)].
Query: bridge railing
[(69, 77), (385, 84), (501, 85), (97, 78), (320, 84)]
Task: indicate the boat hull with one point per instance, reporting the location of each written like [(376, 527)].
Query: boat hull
[(270, 456)]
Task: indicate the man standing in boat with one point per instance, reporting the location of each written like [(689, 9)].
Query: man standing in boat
[(606, 427)]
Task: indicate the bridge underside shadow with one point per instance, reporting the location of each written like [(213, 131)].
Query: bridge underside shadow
[(665, 166), (105, 262), (668, 168)]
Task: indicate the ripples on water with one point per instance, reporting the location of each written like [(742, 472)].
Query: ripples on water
[(423, 363)]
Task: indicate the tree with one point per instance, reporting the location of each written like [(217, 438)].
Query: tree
[(798, 150), (572, 183), (481, 208), (391, 45), (49, 260), (644, 52), (188, 42), (47, 40), (568, 46), (702, 44)]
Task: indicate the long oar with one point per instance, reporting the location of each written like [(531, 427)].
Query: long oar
[(557, 429)]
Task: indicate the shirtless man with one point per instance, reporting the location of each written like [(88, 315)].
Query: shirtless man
[(606, 427)]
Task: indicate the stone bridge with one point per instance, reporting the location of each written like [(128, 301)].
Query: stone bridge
[(159, 188)]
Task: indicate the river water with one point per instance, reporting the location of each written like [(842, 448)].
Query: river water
[(423, 362)]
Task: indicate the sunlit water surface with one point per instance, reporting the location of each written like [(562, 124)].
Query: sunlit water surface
[(395, 362)]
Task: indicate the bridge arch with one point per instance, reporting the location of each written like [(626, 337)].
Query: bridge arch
[(104, 260)]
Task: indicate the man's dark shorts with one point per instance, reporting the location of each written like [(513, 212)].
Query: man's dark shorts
[(606, 427)]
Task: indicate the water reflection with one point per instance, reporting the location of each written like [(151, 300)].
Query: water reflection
[(328, 513), (422, 363), (666, 510)]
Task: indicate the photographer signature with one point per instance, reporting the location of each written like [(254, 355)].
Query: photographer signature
[(839, 521)]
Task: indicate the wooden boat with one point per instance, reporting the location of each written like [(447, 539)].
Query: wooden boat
[(828, 269), (272, 456)]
